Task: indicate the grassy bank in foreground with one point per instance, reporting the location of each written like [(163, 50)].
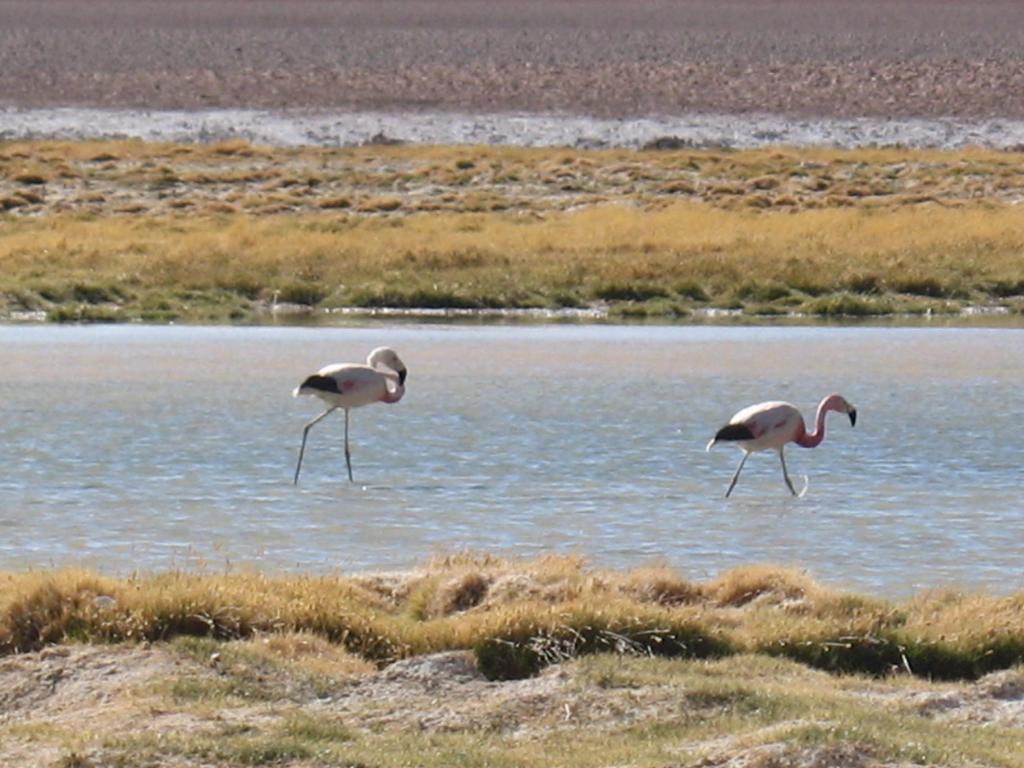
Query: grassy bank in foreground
[(122, 231), (518, 617), (638, 668)]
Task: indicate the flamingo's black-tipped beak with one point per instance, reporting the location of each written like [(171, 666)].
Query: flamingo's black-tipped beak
[(401, 376), (853, 417)]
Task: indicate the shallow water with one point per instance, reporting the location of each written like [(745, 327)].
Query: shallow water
[(147, 448)]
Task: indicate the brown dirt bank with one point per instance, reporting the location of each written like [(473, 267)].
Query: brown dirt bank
[(409, 669), (165, 705), (910, 58)]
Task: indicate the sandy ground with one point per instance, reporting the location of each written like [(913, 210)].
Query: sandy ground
[(823, 58), (101, 692)]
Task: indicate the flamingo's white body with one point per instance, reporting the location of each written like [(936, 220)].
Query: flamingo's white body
[(351, 385), (771, 425)]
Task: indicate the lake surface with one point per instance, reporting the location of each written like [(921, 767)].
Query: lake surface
[(149, 448)]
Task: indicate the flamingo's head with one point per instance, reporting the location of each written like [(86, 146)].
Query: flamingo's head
[(387, 357), (841, 404)]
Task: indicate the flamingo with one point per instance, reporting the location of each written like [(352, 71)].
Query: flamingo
[(350, 385), (772, 425)]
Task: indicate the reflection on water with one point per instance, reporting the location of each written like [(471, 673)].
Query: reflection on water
[(128, 447)]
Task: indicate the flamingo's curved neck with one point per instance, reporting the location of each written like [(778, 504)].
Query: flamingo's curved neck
[(396, 394), (813, 439)]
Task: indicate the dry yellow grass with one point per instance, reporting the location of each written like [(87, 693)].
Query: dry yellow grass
[(930, 254), (819, 231), (517, 615)]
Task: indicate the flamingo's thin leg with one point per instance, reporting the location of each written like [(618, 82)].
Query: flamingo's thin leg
[(736, 476), (305, 434), (348, 455), (785, 473)]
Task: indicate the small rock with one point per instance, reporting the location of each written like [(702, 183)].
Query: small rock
[(437, 668)]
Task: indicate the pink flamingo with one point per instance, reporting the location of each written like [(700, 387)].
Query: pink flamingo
[(350, 385), (772, 425)]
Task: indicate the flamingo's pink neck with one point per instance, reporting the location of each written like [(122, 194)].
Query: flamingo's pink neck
[(813, 439)]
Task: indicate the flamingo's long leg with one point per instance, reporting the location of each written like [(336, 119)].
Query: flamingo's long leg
[(348, 455), (736, 476), (305, 434), (785, 474)]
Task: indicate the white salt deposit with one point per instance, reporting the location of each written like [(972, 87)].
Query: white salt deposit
[(297, 128)]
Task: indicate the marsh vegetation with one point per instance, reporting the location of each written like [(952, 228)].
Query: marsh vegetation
[(115, 231), (518, 617)]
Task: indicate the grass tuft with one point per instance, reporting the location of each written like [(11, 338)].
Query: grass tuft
[(309, 293), (461, 593), (525, 649), (847, 305), (744, 585), (629, 292)]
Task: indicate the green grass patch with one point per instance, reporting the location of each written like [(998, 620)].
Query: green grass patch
[(420, 298), (629, 292), (525, 650), (847, 305), (310, 293)]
